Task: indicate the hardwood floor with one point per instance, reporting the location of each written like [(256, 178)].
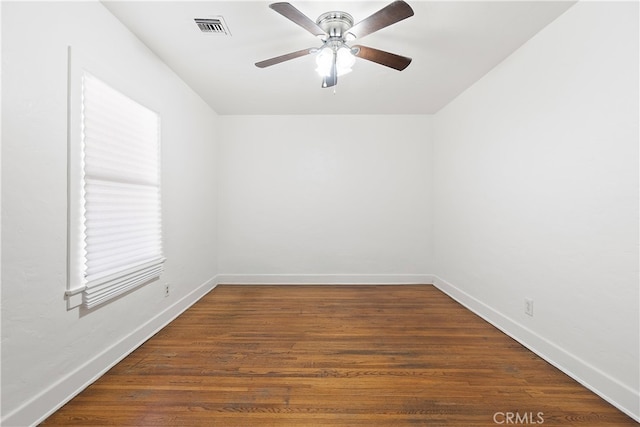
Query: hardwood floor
[(338, 356)]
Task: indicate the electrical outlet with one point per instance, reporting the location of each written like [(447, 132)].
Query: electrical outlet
[(528, 306), (166, 290)]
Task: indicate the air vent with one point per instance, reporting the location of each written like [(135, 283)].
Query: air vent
[(213, 26)]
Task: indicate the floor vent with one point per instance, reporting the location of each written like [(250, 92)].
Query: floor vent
[(213, 26)]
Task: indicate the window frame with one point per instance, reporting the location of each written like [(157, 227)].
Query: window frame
[(78, 293)]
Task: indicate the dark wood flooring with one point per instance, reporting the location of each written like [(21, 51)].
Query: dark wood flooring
[(334, 356)]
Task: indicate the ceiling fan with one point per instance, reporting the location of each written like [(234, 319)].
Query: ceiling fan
[(335, 57)]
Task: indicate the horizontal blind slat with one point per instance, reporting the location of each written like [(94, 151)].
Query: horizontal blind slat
[(118, 133), (104, 157), (122, 259), (110, 285), (118, 141), (111, 245)]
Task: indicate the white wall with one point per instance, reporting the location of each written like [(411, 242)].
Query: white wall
[(325, 198), (48, 351), (536, 196)]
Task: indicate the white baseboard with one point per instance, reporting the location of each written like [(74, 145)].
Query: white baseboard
[(613, 391), (50, 400), (325, 279)]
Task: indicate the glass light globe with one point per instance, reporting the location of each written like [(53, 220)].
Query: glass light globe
[(344, 60), (324, 61)]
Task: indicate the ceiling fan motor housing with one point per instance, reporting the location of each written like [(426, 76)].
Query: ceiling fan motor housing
[(335, 24)]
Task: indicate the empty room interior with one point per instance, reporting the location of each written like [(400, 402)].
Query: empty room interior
[(482, 156)]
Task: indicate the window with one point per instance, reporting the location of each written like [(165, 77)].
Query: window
[(120, 235)]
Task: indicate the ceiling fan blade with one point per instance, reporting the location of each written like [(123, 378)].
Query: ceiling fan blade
[(390, 14), (288, 11), (381, 57), (282, 58)]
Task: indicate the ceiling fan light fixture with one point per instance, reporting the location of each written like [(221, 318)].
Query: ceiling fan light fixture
[(342, 56)]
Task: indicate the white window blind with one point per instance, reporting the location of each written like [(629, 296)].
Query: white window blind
[(122, 221)]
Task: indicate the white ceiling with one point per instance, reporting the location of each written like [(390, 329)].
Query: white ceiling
[(452, 43)]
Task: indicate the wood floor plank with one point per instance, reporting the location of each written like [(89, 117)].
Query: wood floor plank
[(333, 355)]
